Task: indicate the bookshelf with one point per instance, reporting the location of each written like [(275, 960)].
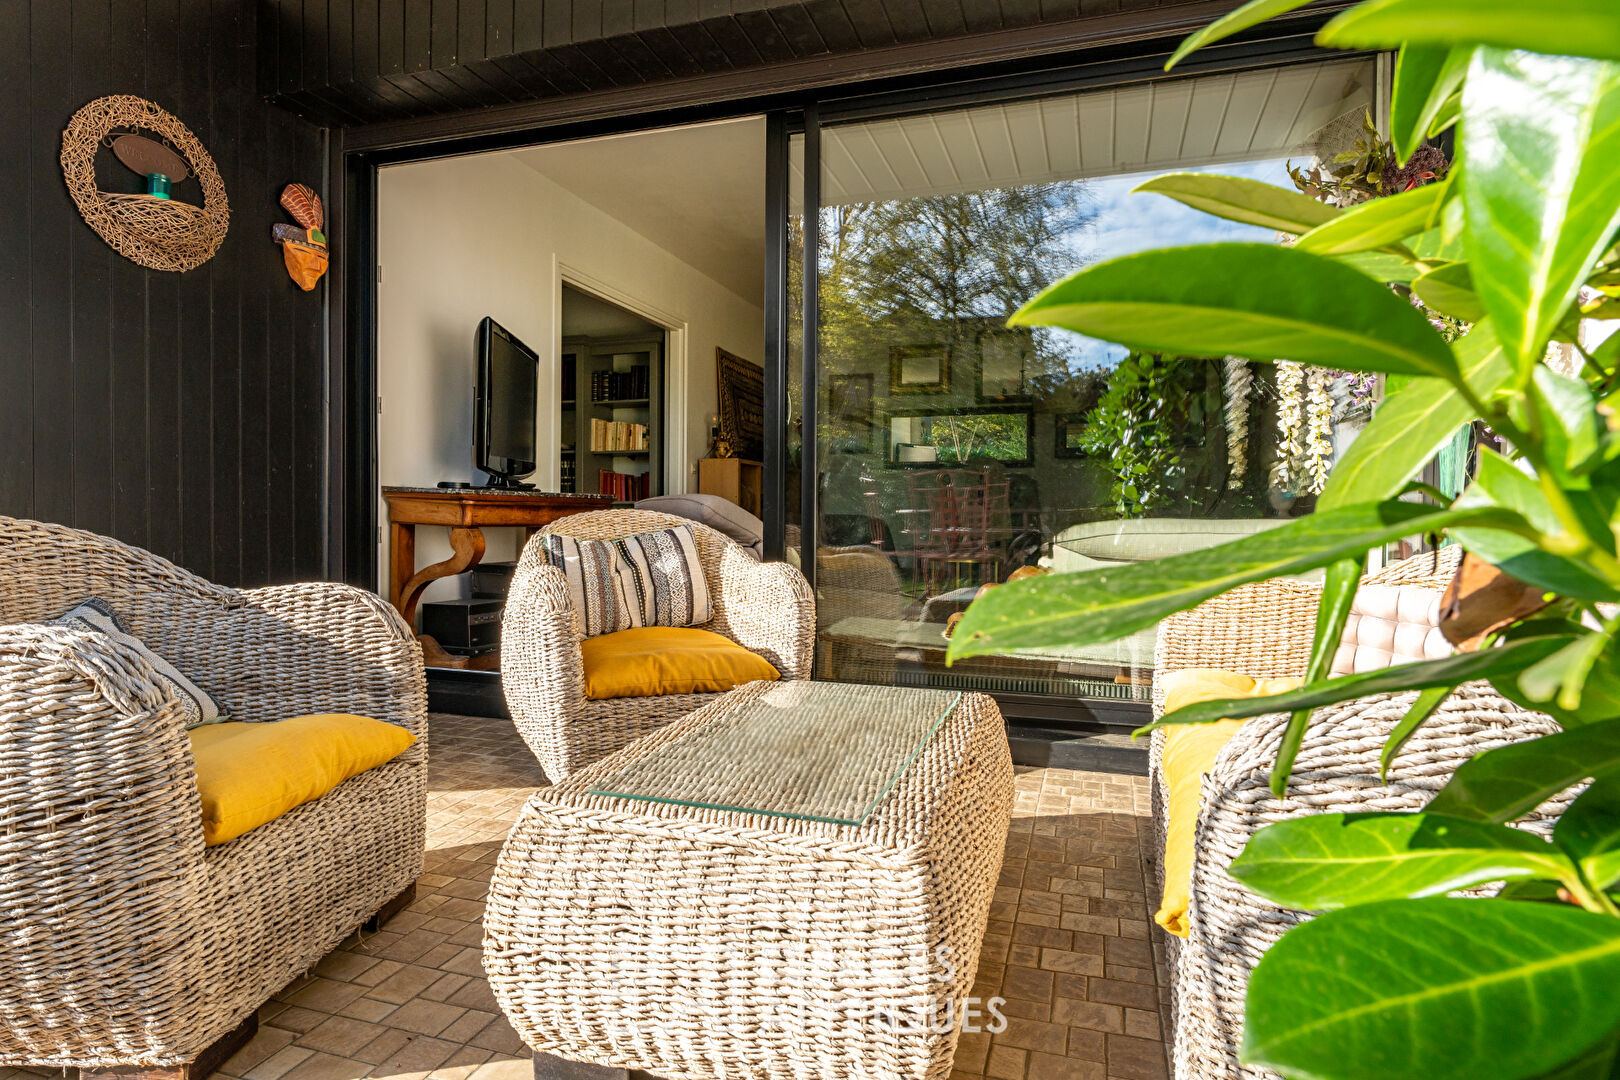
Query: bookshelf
[(612, 416)]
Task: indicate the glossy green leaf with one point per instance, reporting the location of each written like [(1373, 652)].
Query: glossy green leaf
[(1260, 301), (1338, 594), (1570, 424), (1424, 707), (1555, 27), (1447, 671), (1590, 831), (1449, 289), (1253, 13), (1378, 223), (1442, 988), (1426, 77), (1237, 198), (1500, 483), (1321, 862), (1413, 423), (1541, 135), (1562, 676), (1112, 601), (1508, 782)]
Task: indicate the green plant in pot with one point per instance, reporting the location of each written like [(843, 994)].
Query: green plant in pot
[(1396, 978)]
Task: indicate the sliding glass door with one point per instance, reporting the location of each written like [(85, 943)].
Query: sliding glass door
[(948, 452)]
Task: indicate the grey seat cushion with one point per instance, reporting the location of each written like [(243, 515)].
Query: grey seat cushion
[(717, 513)]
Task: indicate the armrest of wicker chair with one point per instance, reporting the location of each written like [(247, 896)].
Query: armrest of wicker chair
[(542, 670), (325, 647), (766, 607), (1337, 771), (101, 856)]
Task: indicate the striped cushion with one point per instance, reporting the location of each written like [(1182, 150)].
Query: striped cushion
[(95, 616), (595, 589), (663, 579)]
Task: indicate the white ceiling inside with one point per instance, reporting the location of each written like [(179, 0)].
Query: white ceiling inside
[(1208, 120), (697, 192)]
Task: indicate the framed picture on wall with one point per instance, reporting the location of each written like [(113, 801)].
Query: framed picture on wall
[(1070, 430), (919, 369), (850, 398), (1003, 366), (961, 436)]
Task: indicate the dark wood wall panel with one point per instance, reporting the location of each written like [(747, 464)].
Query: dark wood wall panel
[(351, 62), (180, 412)]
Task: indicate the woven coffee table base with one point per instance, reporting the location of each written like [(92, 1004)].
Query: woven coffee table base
[(704, 944)]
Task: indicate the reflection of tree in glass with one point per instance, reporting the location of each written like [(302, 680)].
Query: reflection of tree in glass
[(939, 269), (960, 439), (1137, 427)]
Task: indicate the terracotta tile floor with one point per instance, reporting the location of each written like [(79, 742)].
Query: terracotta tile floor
[(1067, 945)]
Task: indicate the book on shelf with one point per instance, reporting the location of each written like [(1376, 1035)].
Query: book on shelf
[(608, 436), (621, 385), (624, 487)]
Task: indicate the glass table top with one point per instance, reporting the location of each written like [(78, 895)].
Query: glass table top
[(808, 750)]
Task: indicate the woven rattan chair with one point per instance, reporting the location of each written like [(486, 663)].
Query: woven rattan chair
[(125, 944), (1264, 630), (764, 607)]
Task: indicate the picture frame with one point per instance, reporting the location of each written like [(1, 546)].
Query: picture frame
[(741, 394), (849, 398), (1003, 366), (919, 369), (1067, 431), (1004, 433)]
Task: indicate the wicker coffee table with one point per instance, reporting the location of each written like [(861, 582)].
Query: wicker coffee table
[(791, 882)]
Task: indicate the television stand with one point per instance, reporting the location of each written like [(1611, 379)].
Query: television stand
[(505, 483), (465, 512)]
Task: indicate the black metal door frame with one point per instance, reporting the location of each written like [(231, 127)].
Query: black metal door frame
[(353, 525)]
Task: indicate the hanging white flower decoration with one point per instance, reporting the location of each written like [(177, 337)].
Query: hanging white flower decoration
[(1290, 425), (1239, 387), (1318, 430)]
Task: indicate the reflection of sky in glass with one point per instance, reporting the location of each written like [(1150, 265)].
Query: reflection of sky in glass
[(1123, 224)]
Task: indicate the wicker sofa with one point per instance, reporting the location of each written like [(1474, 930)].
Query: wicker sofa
[(1264, 630), (766, 608), (124, 942)]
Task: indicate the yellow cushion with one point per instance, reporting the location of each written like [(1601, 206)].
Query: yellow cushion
[(1189, 752), (251, 774), (650, 661)]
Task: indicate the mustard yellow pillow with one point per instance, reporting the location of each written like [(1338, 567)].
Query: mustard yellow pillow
[(1190, 752), (251, 774), (650, 661)]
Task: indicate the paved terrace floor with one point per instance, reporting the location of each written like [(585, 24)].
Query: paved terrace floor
[(1067, 944)]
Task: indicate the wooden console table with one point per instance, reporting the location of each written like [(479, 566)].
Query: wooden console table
[(465, 511)]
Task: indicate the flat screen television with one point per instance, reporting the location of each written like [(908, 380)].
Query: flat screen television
[(504, 407)]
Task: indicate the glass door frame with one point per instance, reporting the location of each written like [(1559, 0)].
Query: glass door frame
[(782, 369)]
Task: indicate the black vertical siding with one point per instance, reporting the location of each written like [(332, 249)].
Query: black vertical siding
[(180, 412)]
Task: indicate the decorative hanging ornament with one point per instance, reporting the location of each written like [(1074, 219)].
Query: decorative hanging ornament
[(303, 248), (1318, 429), (152, 228), (1239, 388), (1290, 434)]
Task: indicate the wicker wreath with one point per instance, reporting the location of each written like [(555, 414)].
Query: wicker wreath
[(161, 234)]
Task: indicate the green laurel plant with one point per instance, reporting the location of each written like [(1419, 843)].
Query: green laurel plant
[(1396, 978)]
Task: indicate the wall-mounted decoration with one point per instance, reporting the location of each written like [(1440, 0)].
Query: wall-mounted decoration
[(963, 435), (303, 249), (1003, 365), (850, 397), (741, 385), (1069, 436), (919, 369), (151, 227)]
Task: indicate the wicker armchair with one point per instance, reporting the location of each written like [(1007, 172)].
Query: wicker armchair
[(1265, 630), (123, 940), (766, 608)]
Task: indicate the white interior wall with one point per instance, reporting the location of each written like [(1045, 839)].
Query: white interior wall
[(466, 237)]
